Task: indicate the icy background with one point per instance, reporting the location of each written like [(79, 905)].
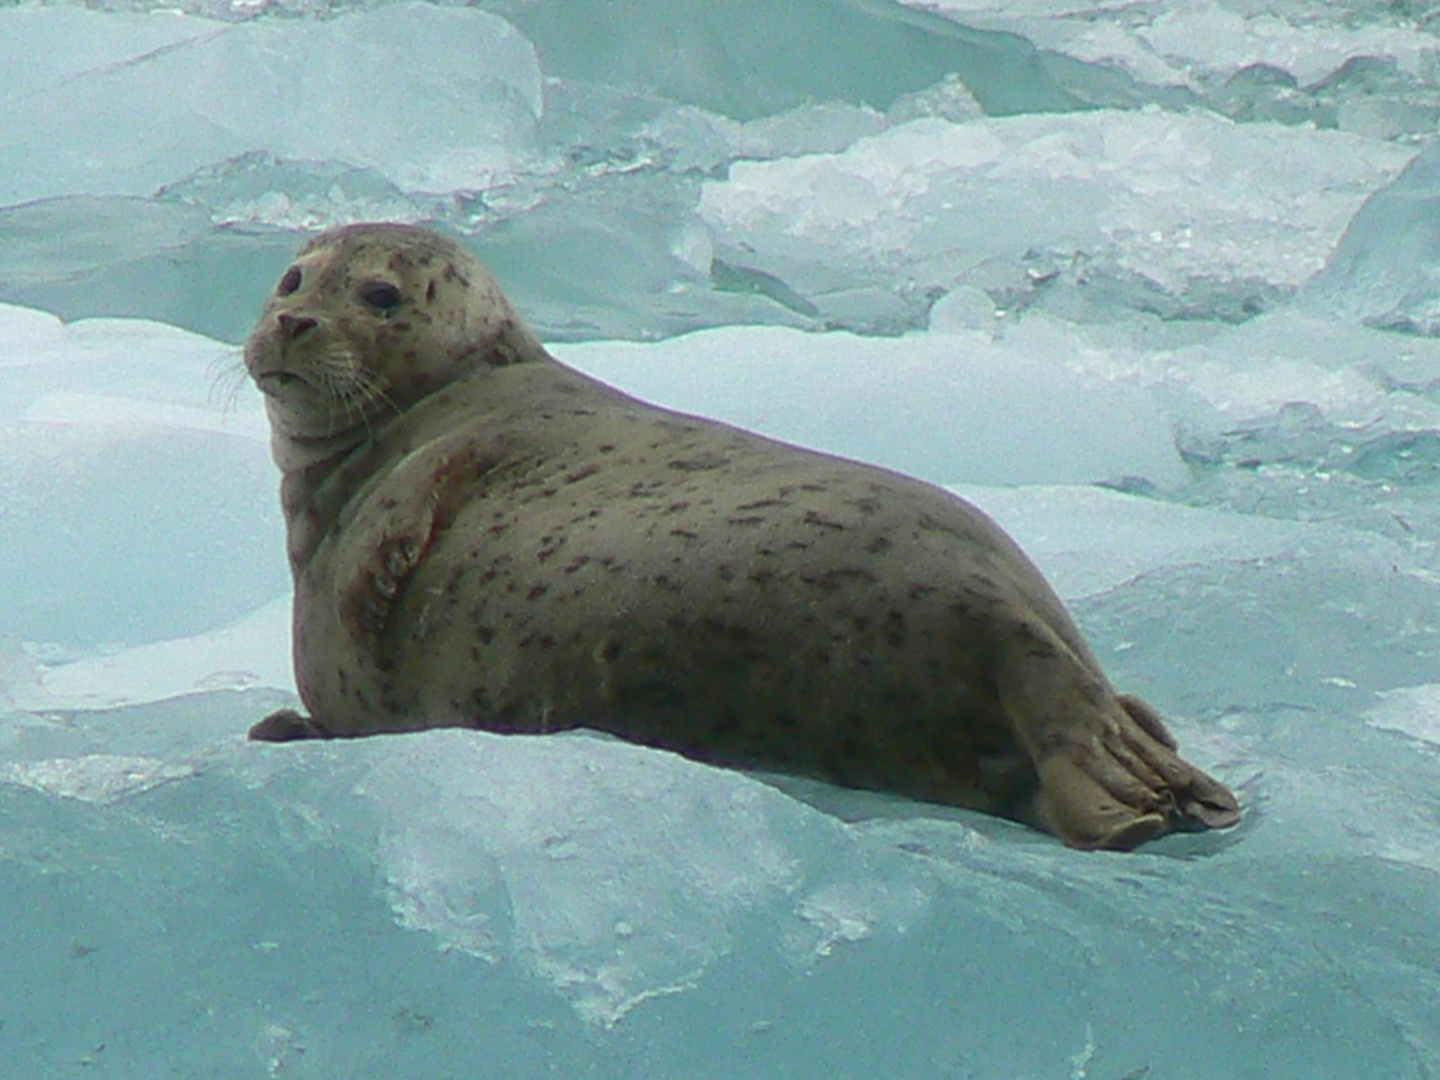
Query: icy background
[(1157, 282)]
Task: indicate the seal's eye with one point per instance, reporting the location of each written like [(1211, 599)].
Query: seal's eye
[(289, 283), (380, 295)]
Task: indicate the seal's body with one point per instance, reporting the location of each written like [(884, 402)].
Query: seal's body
[(483, 537)]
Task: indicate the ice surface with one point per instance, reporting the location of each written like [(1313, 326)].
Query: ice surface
[(109, 118), (950, 407), (641, 893), (1090, 333), (138, 501), (1177, 213), (1384, 269), (1358, 66), (608, 152)]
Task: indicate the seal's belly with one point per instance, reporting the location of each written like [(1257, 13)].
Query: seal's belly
[(818, 624)]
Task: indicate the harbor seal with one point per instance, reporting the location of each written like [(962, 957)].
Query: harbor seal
[(483, 537)]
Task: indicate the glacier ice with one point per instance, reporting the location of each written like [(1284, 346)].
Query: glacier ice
[(1174, 205), (86, 120)]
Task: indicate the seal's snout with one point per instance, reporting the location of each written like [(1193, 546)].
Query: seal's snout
[(293, 326)]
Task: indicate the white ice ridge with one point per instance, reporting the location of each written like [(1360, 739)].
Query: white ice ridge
[(1191, 42), (1414, 710), (608, 901), (94, 778), (945, 407), (252, 653), (1170, 196)]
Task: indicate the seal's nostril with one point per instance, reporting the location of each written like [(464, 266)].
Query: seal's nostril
[(292, 326)]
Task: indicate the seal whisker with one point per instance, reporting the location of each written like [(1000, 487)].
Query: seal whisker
[(226, 375)]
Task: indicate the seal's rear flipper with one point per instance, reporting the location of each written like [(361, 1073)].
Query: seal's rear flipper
[(1127, 785), (1201, 801), (1081, 811)]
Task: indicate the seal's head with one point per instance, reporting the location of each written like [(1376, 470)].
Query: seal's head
[(368, 320)]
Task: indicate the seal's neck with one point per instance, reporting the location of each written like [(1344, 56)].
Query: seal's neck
[(514, 343), (314, 493)]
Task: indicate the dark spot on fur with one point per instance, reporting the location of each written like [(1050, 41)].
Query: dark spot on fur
[(537, 591), (581, 473), (485, 634), (762, 504), (700, 463), (726, 572), (918, 591), (452, 584), (686, 533), (666, 582), (836, 579), (758, 519), (577, 563), (430, 293), (607, 448), (480, 703), (878, 546), (812, 517), (895, 632), (934, 524)]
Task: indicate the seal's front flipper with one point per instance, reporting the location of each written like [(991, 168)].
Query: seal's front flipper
[(287, 725), (369, 598), (402, 520)]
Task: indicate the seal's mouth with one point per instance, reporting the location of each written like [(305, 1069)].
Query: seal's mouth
[(279, 383)]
